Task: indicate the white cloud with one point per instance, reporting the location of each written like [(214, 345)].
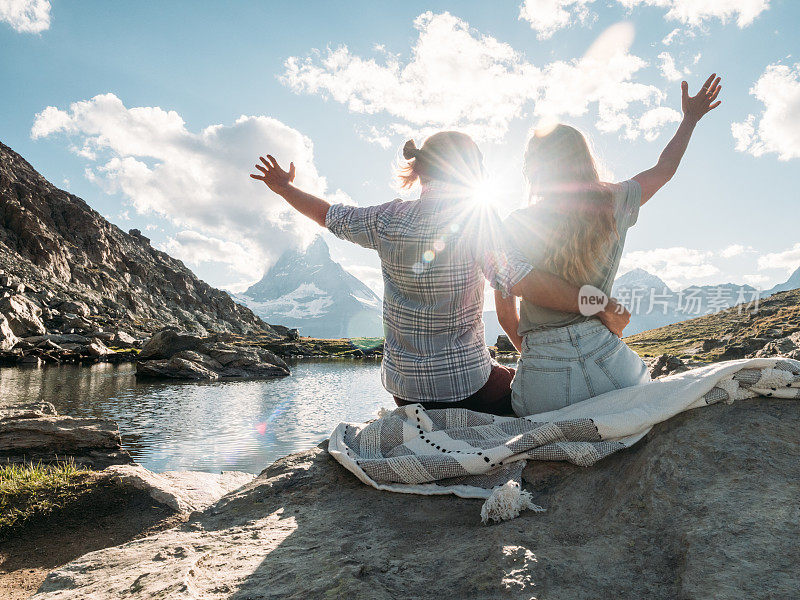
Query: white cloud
[(788, 259), (653, 121), (548, 16), (459, 78), (668, 68), (199, 181), (677, 266), (670, 37), (696, 12), (735, 250), (26, 16), (778, 127), (194, 248)]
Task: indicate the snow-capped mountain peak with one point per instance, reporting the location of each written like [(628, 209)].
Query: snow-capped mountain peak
[(308, 290)]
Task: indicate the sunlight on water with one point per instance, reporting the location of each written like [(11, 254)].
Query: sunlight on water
[(232, 425)]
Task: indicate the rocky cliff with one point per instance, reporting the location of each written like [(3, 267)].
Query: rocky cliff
[(74, 266), (705, 506)]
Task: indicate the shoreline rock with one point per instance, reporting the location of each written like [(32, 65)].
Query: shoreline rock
[(682, 514), (181, 355), (36, 433)]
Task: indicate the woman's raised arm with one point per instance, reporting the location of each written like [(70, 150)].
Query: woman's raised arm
[(280, 182), (694, 107)]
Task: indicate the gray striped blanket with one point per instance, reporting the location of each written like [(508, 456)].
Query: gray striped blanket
[(475, 455)]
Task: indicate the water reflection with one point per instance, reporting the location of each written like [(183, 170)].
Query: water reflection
[(231, 425)]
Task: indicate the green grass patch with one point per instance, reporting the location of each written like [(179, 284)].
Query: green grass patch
[(29, 490), (368, 344), (119, 349)]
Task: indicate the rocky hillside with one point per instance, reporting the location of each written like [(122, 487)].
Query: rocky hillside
[(768, 328), (311, 292), (70, 269)]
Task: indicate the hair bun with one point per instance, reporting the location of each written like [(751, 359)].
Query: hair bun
[(410, 150)]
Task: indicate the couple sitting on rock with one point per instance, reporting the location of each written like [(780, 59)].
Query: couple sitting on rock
[(436, 252)]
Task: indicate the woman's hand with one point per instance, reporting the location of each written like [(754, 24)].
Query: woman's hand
[(615, 317), (280, 182), (276, 178), (694, 107)]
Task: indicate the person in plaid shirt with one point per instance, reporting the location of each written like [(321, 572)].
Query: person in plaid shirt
[(435, 254)]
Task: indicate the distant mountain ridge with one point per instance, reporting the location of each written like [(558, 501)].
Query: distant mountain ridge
[(61, 250), (792, 283), (653, 304), (308, 290)]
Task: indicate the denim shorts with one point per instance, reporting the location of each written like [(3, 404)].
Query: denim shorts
[(562, 366)]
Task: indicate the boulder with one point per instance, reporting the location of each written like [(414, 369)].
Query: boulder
[(246, 361), (781, 347), (174, 368), (504, 344), (30, 433), (7, 338), (666, 364), (30, 360), (106, 337), (704, 507), (174, 354), (288, 333), (95, 349), (80, 309), (123, 340), (745, 347), (167, 342), (201, 359), (23, 315)]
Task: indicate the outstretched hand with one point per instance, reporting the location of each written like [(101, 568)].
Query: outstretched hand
[(694, 107), (276, 178)]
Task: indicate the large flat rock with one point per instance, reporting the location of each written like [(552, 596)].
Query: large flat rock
[(704, 507), (35, 433)]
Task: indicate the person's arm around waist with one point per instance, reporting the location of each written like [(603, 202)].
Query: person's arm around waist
[(550, 291), (508, 316), (280, 182)]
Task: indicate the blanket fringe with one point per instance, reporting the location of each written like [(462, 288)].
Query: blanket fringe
[(506, 502)]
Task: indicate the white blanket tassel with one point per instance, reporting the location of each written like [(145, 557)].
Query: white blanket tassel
[(506, 502)]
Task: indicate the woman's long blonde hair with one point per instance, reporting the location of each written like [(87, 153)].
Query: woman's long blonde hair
[(574, 206)]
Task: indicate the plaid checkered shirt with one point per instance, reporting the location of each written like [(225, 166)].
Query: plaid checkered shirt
[(435, 253)]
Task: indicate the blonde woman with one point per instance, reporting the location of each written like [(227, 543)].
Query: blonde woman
[(575, 228)]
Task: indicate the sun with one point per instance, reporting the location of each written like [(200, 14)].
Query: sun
[(486, 192)]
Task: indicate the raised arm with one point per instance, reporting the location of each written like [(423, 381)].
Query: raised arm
[(547, 290), (280, 182), (508, 316), (694, 107)]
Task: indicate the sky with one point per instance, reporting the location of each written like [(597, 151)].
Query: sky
[(155, 113)]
